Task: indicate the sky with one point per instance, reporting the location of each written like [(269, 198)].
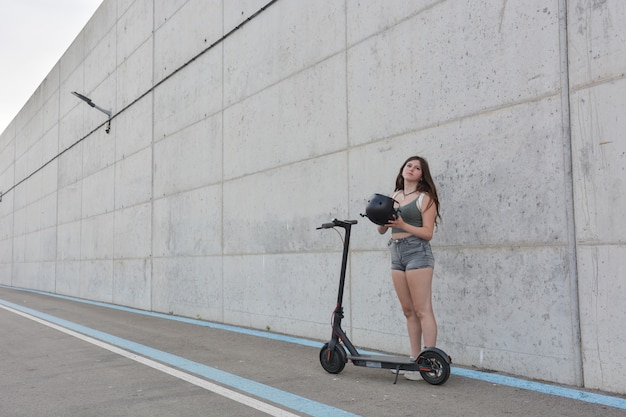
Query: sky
[(34, 34)]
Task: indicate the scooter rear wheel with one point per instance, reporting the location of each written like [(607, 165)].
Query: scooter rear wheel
[(439, 371), (333, 361)]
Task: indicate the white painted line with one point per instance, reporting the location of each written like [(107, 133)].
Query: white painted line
[(209, 386)]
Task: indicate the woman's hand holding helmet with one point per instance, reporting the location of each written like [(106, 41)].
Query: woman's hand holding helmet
[(397, 222)]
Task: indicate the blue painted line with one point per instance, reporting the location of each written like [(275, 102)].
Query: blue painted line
[(543, 388), (286, 399), (574, 394), (203, 323)]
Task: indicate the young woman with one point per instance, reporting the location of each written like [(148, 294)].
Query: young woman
[(412, 260)]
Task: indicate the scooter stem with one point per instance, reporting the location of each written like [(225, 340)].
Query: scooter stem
[(344, 260)]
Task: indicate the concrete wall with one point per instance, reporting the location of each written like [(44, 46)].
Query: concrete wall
[(204, 197), (597, 56)]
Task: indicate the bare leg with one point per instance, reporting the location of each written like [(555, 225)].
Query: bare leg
[(413, 325), (420, 287)]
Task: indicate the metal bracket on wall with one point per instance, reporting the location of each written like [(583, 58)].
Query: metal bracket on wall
[(94, 105)]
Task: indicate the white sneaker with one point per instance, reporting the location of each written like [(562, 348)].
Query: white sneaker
[(413, 375)]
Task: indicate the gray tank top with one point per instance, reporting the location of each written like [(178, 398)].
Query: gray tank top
[(411, 214)]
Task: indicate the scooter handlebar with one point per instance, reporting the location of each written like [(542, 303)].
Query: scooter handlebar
[(336, 222)]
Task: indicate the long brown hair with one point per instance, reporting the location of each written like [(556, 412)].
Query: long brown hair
[(426, 184)]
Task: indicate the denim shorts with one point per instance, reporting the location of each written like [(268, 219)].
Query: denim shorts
[(411, 253)]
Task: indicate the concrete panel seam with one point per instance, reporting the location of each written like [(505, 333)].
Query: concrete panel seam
[(569, 194)]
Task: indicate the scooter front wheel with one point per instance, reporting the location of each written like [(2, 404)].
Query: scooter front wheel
[(333, 361), (434, 368)]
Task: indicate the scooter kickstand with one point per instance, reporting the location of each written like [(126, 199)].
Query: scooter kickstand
[(397, 373)]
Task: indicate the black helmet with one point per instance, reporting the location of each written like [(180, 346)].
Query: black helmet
[(380, 209)]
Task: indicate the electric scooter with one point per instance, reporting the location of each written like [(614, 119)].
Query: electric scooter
[(432, 363)]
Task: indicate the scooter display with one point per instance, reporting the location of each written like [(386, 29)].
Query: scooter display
[(432, 363)]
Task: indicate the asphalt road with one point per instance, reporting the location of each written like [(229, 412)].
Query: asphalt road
[(63, 357)]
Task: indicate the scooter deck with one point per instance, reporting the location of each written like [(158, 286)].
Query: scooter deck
[(385, 362)]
